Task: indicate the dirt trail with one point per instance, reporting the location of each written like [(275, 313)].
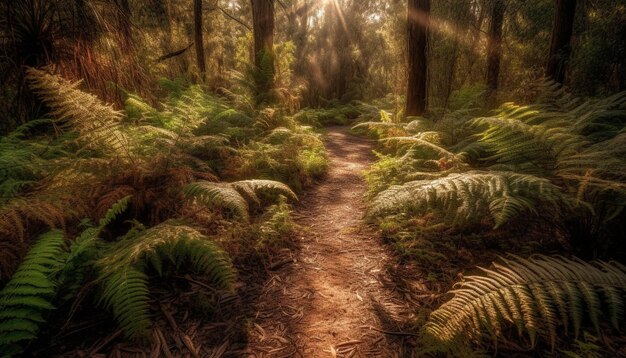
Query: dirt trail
[(336, 299)]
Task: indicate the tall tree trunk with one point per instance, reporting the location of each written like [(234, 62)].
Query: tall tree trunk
[(263, 28), (418, 23), (494, 50), (125, 24), (197, 35), (560, 44), (300, 14)]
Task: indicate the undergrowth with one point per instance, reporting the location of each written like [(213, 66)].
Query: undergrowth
[(464, 185), (199, 186)]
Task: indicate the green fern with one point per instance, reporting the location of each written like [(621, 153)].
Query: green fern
[(533, 149), (234, 196), (84, 249), (430, 141), (126, 294), (21, 164), (467, 197), (539, 296), (125, 287), (220, 195), (250, 188), (114, 211), (28, 295)]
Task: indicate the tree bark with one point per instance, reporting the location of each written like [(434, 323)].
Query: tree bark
[(560, 44), (418, 13), (197, 34), (494, 50), (263, 28)]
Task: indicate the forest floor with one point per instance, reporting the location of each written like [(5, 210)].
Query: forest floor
[(340, 294)]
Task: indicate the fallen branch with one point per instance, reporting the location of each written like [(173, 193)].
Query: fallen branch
[(174, 54)]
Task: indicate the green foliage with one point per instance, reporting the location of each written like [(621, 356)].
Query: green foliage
[(293, 156), (212, 195), (28, 295), (20, 161), (277, 224), (539, 296), (569, 152), (122, 269), (130, 170), (125, 293), (234, 196), (463, 199), (257, 82), (334, 114)]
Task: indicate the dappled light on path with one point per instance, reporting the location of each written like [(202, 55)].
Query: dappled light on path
[(335, 299)]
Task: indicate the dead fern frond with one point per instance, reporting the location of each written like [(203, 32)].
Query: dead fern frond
[(98, 124)]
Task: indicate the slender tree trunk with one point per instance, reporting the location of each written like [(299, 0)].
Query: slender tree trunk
[(494, 50), (418, 23), (197, 35), (560, 44), (300, 31), (263, 28), (124, 23)]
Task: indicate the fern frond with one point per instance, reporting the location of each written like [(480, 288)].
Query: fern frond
[(126, 294), (97, 123), (467, 197), (214, 195), (122, 269), (250, 188), (534, 149), (540, 295), (429, 141), (114, 211), (236, 195), (27, 296)]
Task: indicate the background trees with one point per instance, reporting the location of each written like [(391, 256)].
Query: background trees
[(494, 48), (198, 35), (263, 32), (418, 19), (135, 130), (317, 51), (562, 28)]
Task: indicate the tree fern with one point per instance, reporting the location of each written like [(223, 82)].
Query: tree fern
[(28, 295), (125, 287), (467, 197), (539, 296), (234, 196)]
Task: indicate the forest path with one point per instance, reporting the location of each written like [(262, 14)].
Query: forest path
[(337, 298)]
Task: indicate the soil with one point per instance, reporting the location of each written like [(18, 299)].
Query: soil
[(338, 296)]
